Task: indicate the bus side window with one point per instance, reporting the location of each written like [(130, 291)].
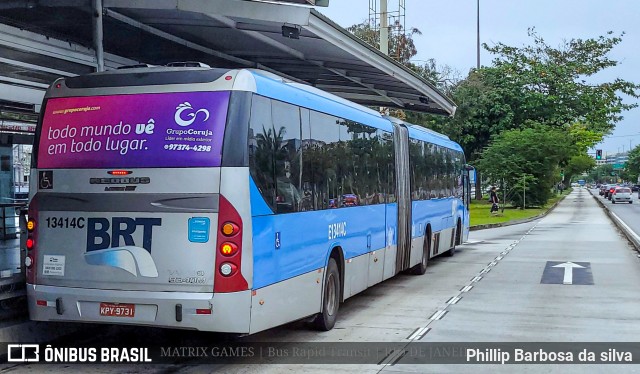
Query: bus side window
[(261, 155), (287, 150)]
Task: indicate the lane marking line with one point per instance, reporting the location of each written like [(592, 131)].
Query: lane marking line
[(424, 333), (454, 300), (402, 354), (438, 315), (418, 332), (633, 233)]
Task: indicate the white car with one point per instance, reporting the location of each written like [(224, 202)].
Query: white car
[(621, 194)]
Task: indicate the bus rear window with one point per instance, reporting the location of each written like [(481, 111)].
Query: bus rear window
[(133, 131)]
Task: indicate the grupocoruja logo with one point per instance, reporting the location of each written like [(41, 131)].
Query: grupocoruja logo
[(185, 107)]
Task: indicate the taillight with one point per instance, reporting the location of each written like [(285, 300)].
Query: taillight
[(228, 269), (30, 243), (228, 249), (228, 274), (119, 172), (230, 229)]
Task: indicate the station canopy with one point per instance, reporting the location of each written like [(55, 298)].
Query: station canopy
[(292, 40)]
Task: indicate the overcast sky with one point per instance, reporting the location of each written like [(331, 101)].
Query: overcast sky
[(449, 35)]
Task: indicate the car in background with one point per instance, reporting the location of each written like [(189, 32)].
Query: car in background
[(609, 191), (635, 188), (621, 195), (602, 189)]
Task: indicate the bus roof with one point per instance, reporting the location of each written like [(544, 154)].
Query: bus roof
[(253, 80)]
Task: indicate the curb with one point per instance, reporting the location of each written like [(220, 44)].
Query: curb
[(519, 221), (631, 236)]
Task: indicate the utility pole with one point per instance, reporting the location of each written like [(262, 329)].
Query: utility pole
[(524, 192), (384, 28)]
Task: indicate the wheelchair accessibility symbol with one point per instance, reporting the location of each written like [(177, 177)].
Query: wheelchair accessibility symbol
[(45, 180), (278, 243)]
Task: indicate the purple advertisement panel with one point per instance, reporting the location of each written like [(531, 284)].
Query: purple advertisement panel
[(134, 131)]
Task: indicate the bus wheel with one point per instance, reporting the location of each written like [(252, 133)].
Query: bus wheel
[(331, 300), (421, 268)]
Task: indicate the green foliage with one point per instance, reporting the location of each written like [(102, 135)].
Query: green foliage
[(540, 85), (535, 111), (553, 86), (577, 165), (401, 47), (602, 174), (533, 154), (633, 164), (583, 137), (480, 214)]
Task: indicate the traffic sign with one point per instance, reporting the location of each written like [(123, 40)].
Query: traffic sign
[(618, 166)]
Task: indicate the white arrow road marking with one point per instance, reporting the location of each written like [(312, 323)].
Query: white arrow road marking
[(568, 271)]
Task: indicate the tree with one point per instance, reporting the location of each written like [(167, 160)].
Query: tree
[(602, 174), (532, 155), (401, 47), (577, 165), (633, 164), (539, 84), (554, 82)]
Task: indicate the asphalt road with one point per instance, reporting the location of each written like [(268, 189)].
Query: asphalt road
[(505, 285), (629, 213)]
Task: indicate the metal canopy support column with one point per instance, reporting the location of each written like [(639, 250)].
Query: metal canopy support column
[(98, 34)]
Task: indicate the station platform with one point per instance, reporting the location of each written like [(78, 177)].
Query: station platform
[(15, 326)]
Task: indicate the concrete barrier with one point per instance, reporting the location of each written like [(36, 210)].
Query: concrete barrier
[(631, 236)]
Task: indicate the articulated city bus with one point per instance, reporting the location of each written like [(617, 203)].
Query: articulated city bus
[(227, 200)]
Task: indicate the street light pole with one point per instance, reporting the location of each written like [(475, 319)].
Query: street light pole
[(524, 191), (478, 34)]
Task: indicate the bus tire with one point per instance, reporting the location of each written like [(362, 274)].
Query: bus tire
[(421, 268), (326, 319)]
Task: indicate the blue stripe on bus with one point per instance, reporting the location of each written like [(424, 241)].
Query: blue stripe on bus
[(429, 211), (428, 137), (306, 239), (276, 90), (304, 247)]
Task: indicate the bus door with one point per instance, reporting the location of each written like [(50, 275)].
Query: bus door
[(401, 139)]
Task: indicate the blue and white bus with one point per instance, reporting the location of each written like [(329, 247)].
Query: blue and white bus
[(227, 200)]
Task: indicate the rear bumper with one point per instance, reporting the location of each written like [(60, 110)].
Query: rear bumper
[(621, 198), (230, 312)]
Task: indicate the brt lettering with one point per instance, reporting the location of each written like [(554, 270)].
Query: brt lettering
[(102, 234)]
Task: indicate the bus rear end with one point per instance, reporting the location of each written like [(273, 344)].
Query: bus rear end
[(128, 224)]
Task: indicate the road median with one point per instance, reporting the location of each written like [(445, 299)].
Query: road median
[(519, 221)]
